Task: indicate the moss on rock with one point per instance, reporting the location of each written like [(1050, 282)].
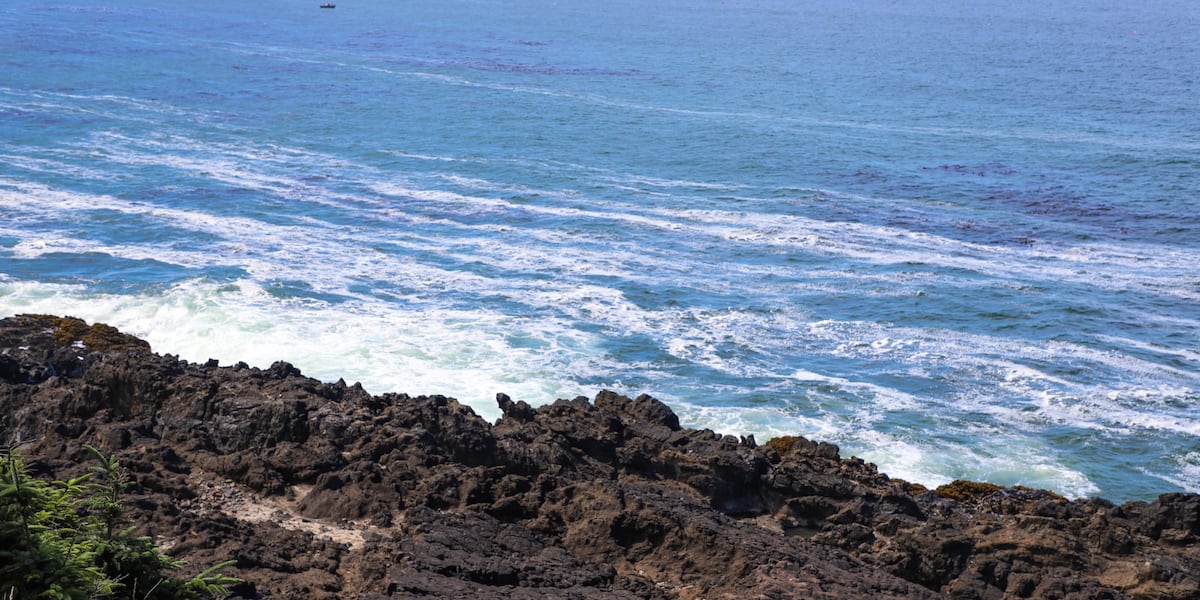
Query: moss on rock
[(98, 337), (783, 444), (961, 490)]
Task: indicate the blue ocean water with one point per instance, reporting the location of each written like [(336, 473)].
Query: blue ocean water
[(960, 240)]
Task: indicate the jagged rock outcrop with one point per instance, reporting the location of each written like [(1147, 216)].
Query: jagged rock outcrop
[(321, 490)]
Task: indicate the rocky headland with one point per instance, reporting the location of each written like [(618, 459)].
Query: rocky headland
[(322, 490)]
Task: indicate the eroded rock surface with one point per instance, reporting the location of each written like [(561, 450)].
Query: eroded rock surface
[(325, 491)]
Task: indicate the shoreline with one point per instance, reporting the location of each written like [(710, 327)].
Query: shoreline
[(324, 490)]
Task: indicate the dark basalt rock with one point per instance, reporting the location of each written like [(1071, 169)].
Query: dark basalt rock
[(325, 491)]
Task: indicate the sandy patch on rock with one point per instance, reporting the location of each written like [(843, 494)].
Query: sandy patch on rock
[(217, 495)]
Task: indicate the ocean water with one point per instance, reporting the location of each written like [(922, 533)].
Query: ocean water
[(958, 239)]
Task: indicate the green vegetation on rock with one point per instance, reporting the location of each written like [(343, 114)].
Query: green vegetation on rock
[(961, 490), (64, 541)]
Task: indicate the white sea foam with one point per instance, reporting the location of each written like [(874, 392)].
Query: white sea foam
[(1124, 411), (120, 108), (1184, 353), (55, 167), (265, 251), (880, 398), (855, 241), (918, 458), (1187, 476), (470, 355), (1123, 267), (763, 423)]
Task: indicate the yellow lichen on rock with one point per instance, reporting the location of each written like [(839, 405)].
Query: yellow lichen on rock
[(99, 337)]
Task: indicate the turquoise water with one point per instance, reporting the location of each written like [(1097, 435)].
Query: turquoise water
[(959, 241)]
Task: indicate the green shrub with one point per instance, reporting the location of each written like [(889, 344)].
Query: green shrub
[(63, 541)]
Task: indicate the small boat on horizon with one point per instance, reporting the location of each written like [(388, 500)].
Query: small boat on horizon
[(327, 5)]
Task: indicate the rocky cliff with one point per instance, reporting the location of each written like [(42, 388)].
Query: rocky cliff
[(322, 490)]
